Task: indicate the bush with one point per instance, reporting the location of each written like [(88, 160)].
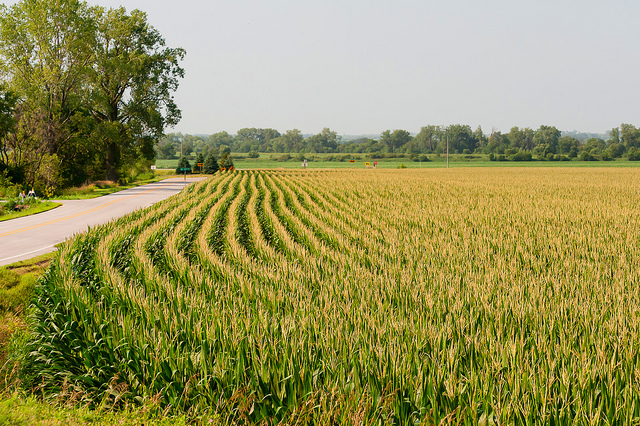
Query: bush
[(521, 156), (284, 157), (634, 154), (402, 166), (253, 154), (585, 156)]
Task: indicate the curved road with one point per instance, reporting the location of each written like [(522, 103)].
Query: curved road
[(30, 236)]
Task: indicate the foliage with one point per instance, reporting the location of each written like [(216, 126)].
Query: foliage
[(94, 87), (211, 164), (183, 165)]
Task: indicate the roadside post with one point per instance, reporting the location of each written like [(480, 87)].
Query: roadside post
[(185, 170)]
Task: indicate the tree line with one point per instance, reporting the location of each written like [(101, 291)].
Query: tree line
[(519, 144), (86, 92)]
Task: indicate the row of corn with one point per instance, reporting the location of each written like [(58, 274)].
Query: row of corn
[(485, 296)]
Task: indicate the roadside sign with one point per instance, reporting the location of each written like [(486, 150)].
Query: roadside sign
[(153, 167), (185, 169), (200, 164)]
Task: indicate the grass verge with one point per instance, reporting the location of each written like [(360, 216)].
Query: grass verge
[(98, 189), (33, 209)]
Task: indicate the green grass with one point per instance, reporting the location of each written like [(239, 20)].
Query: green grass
[(19, 409), (32, 209), (98, 189), (270, 161)]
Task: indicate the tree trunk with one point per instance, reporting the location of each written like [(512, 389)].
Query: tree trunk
[(111, 164)]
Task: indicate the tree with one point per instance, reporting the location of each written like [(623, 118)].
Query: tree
[(210, 164), (133, 76), (199, 160), (95, 87), (481, 139), (427, 139), (614, 136), (545, 139), (183, 163), (226, 161), (8, 101), (45, 47), (630, 136), (395, 139), (325, 141), (460, 138)]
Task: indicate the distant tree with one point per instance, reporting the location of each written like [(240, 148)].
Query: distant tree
[(221, 138), (614, 136), (616, 150), (395, 140), (427, 139), (183, 163), (634, 154), (629, 136), (460, 138), (481, 139), (325, 141), (210, 164), (199, 160), (567, 144), (545, 140), (226, 161), (165, 149)]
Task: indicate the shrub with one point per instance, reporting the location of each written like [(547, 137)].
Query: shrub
[(585, 156), (521, 156)]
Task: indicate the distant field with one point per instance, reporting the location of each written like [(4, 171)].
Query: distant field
[(269, 161), (484, 296)]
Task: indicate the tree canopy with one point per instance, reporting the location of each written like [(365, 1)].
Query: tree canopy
[(94, 89)]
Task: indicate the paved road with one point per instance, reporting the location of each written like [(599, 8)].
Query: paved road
[(30, 236)]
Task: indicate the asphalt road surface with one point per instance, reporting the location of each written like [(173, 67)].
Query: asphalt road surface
[(30, 236)]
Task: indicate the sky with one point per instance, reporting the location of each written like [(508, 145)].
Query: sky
[(364, 66)]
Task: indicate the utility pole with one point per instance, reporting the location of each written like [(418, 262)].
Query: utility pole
[(447, 151)]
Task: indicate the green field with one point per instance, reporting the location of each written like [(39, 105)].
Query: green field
[(270, 161), (502, 295)]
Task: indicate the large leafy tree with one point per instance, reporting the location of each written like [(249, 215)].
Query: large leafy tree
[(94, 85), (133, 75), (45, 46)]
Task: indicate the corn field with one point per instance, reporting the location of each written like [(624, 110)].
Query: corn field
[(459, 296)]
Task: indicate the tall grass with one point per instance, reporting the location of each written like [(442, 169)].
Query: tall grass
[(474, 296)]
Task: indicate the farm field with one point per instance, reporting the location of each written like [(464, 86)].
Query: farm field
[(473, 295), (270, 161)]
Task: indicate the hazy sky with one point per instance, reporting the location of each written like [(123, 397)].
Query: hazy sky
[(363, 66)]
